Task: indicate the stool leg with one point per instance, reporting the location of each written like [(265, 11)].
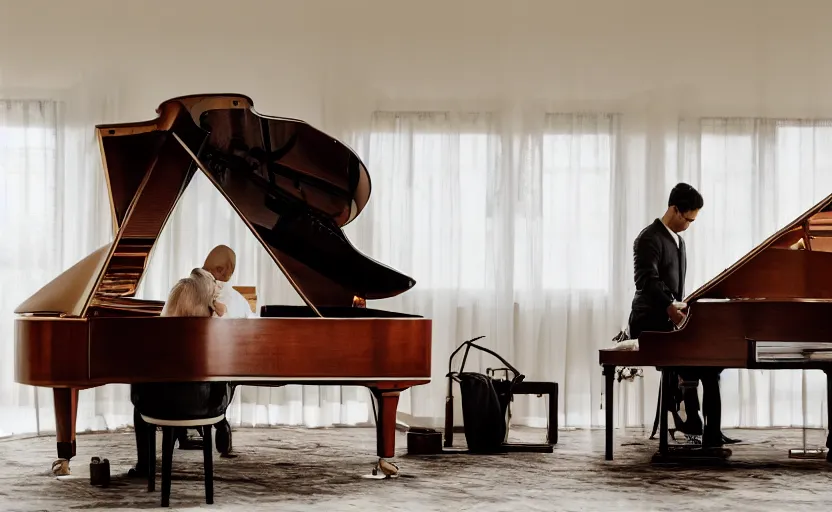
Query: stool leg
[(151, 458), (167, 463), (609, 382), (207, 451), (553, 415)]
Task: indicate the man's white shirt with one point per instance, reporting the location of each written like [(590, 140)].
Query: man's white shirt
[(236, 305), (673, 234)]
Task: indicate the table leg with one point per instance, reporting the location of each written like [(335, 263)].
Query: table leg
[(609, 375)]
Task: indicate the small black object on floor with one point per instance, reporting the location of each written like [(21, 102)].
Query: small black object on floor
[(99, 472)]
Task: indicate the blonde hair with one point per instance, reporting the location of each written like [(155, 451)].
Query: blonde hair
[(192, 296)]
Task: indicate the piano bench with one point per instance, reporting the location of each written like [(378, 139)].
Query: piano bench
[(168, 440)]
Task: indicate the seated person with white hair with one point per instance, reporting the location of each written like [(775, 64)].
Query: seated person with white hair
[(193, 296)]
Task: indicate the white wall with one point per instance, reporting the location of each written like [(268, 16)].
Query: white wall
[(295, 57)]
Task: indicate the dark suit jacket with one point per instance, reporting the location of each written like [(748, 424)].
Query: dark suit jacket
[(660, 278)]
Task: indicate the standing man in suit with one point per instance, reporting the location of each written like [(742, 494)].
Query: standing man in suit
[(660, 264)]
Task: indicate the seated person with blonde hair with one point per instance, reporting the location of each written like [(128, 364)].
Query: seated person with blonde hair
[(193, 296)]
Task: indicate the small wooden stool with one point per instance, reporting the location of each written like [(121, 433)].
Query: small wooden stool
[(168, 440), (543, 388)]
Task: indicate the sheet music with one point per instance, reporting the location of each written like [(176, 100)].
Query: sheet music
[(775, 351)]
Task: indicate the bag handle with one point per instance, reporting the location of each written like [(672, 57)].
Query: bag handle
[(470, 343)]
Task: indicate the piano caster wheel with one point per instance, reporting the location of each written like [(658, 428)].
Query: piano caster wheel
[(389, 469), (60, 467)]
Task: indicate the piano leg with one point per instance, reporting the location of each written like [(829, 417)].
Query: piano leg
[(388, 401), (609, 376), (66, 411)]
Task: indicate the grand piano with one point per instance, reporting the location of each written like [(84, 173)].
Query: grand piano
[(295, 188), (768, 310)]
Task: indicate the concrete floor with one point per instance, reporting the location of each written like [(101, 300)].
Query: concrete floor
[(290, 469)]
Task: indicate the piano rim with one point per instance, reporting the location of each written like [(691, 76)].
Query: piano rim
[(381, 383), (74, 352), (29, 317)]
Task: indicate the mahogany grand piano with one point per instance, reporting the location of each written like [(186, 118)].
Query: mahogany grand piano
[(294, 187), (769, 310)]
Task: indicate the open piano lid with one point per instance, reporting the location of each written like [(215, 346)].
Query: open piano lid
[(292, 185), (810, 234)]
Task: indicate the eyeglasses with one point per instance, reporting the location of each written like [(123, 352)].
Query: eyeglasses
[(689, 220)]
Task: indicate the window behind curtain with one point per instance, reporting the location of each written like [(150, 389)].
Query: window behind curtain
[(577, 153), (429, 172), (443, 233), (804, 165), (753, 166), (729, 159), (756, 176), (29, 188), (28, 173)]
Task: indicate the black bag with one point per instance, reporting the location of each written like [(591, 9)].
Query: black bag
[(485, 402)]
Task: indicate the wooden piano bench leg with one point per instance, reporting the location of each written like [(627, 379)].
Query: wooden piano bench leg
[(388, 402), (66, 411), (609, 380)]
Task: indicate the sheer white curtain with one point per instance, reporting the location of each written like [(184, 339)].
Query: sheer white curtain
[(437, 188), (29, 134), (525, 235), (506, 232), (53, 211), (517, 227)]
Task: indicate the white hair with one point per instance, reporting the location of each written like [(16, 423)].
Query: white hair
[(192, 296)]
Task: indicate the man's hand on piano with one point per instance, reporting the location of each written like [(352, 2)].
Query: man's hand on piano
[(677, 316)]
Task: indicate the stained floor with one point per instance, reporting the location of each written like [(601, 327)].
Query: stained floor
[(292, 469)]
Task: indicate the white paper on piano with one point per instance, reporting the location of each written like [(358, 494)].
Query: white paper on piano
[(626, 345), (680, 306)]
